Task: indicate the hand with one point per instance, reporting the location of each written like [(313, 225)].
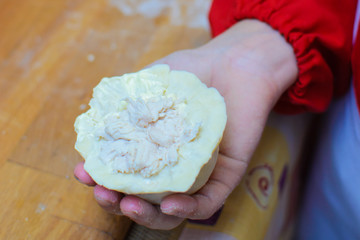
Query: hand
[(251, 65)]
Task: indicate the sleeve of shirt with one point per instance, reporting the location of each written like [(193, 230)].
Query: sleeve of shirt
[(320, 32)]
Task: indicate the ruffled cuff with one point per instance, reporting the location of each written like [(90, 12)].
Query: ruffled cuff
[(320, 42)]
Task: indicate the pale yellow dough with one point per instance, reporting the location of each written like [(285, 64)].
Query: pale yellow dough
[(151, 133)]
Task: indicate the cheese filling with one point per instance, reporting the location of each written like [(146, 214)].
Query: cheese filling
[(145, 137)]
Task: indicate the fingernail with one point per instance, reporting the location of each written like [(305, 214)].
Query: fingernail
[(102, 201), (135, 212), (76, 178), (168, 209), (136, 208)]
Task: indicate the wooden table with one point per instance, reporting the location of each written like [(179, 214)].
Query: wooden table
[(52, 53)]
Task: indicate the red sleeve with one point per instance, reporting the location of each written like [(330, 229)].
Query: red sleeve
[(356, 67), (320, 32)]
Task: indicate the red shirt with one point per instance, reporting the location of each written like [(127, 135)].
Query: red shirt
[(320, 32)]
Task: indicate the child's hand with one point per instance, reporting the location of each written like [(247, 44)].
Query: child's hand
[(251, 65)]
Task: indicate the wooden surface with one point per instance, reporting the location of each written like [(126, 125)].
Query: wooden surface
[(52, 53)]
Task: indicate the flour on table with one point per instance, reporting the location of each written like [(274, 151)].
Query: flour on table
[(179, 11)]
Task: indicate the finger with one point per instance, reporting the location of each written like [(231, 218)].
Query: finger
[(159, 61), (181, 60), (147, 215), (82, 176), (108, 199), (204, 203)]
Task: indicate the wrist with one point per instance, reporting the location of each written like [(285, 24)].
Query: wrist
[(253, 47)]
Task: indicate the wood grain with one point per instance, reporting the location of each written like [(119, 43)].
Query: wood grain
[(52, 53)]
